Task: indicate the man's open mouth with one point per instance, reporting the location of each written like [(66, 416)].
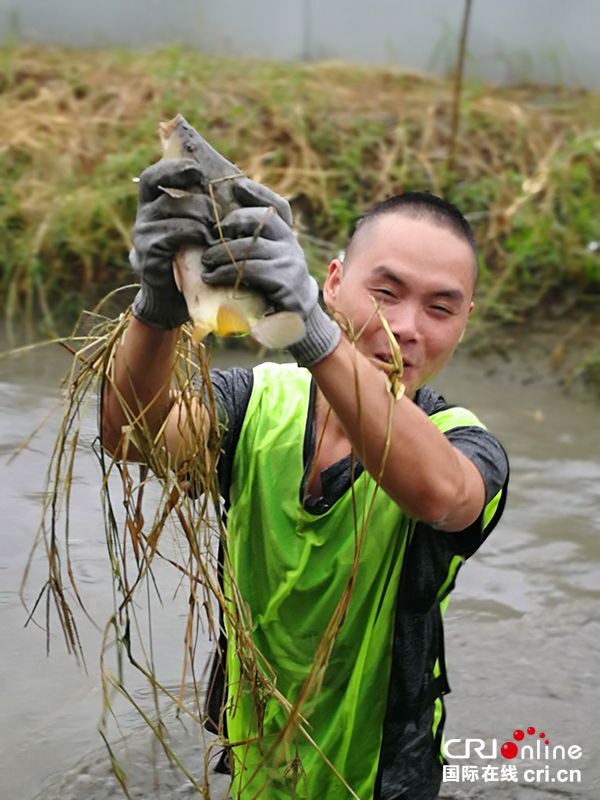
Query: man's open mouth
[(385, 361)]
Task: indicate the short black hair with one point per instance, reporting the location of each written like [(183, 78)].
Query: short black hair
[(420, 205)]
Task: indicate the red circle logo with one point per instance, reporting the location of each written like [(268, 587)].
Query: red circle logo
[(509, 750)]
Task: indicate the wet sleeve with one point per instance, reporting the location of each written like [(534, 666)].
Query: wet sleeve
[(477, 443), (490, 458), (232, 389), (486, 452)]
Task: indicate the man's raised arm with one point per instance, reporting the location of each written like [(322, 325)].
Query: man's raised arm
[(138, 395), (432, 480)]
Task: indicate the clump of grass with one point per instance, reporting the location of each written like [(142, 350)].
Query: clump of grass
[(77, 126)]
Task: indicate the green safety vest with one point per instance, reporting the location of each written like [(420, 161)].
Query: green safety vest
[(291, 568)]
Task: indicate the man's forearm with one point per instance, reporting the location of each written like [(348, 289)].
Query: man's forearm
[(422, 472), (139, 384)]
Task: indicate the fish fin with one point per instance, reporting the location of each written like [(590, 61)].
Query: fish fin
[(200, 332), (176, 193), (279, 330), (230, 320)]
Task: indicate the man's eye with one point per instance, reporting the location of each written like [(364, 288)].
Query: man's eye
[(383, 291), (442, 309)]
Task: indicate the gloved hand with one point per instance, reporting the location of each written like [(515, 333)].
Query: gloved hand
[(250, 193), (163, 224), (265, 249)]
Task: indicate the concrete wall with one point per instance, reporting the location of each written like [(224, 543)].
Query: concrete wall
[(551, 41)]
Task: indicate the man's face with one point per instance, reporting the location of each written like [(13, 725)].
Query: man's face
[(421, 276)]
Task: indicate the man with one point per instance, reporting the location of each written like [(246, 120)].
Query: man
[(306, 448)]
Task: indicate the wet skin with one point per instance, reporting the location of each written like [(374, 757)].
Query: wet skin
[(422, 277)]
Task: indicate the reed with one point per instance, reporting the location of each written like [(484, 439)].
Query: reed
[(138, 532)]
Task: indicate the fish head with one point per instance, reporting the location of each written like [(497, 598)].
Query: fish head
[(180, 140), (224, 311)]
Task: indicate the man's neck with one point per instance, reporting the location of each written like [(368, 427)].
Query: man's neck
[(326, 420)]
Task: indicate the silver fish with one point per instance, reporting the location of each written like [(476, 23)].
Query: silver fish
[(225, 311)]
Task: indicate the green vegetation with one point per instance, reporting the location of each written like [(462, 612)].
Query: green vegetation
[(77, 126)]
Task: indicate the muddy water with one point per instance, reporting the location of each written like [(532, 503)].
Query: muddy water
[(523, 627)]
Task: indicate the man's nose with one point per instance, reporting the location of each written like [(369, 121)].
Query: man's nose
[(403, 320)]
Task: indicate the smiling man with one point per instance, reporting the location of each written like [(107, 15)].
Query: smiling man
[(306, 447)]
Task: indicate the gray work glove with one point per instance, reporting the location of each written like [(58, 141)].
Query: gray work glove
[(265, 248), (163, 225), (247, 192)]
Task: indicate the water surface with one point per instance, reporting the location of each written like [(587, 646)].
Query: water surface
[(523, 626)]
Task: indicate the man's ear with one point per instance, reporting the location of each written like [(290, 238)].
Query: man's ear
[(335, 273), (471, 307)]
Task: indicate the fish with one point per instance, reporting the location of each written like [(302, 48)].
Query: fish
[(222, 310)]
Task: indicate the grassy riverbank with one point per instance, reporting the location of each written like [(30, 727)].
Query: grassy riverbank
[(76, 126)]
